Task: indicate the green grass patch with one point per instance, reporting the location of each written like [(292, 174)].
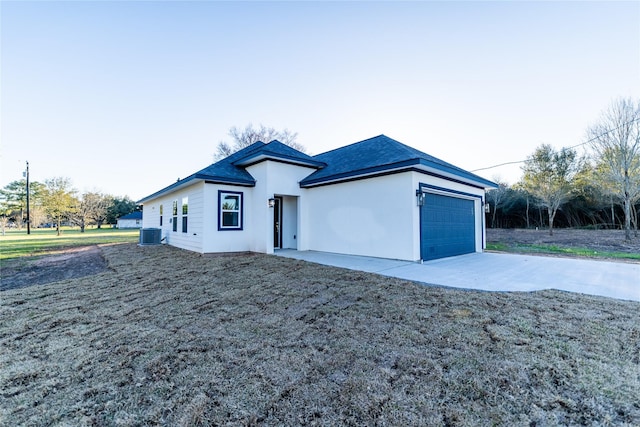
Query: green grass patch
[(558, 250), (15, 244)]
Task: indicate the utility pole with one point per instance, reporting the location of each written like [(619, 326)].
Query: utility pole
[(28, 212)]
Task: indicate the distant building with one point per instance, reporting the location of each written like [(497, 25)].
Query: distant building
[(132, 220)]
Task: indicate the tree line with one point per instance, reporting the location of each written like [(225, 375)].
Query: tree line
[(600, 189), (55, 202)]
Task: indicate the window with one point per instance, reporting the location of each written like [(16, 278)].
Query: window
[(175, 215), (185, 211), (229, 210), (160, 215)]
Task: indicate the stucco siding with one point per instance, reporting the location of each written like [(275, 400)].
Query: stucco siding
[(370, 217), (289, 222), (273, 179), (229, 240)]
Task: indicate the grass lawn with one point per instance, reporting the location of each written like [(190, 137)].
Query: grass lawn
[(568, 242), (45, 240), (524, 248), (169, 337)]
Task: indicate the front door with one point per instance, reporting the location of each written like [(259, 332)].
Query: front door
[(277, 223)]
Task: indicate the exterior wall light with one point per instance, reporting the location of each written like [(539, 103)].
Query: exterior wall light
[(272, 202), (487, 207), (420, 197)]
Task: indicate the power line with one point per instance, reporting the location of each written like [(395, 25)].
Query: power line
[(568, 148), (497, 166)]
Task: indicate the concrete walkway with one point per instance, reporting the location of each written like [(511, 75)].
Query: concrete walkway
[(498, 272)]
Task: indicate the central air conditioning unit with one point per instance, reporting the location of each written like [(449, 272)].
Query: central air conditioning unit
[(150, 236)]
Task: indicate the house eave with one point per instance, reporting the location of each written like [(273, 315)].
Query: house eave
[(193, 179), (463, 178), (263, 156), (417, 165)]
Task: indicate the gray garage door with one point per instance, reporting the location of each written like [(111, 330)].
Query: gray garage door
[(447, 227)]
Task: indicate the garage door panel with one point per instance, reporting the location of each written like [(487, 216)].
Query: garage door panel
[(447, 226)]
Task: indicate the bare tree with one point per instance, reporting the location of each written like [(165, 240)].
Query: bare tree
[(496, 197), (98, 205), (242, 138), (80, 214), (615, 141), (548, 175), (38, 216), (91, 209)]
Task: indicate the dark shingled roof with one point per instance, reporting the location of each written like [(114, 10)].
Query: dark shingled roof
[(371, 156), (132, 215), (379, 154), (226, 171), (276, 150), (223, 171), (231, 170)]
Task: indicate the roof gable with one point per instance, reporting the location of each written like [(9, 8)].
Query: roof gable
[(277, 151), (223, 171), (372, 156), (377, 155)]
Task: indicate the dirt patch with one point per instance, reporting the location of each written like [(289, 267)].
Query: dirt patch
[(88, 260), (168, 337), (598, 240), (66, 264)]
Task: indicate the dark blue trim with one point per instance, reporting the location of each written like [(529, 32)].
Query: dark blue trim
[(447, 178), (283, 158), (376, 175), (459, 173), (355, 174), (385, 170), (420, 225), (379, 154), (422, 186), (447, 190), (241, 227), (210, 179), (221, 182)]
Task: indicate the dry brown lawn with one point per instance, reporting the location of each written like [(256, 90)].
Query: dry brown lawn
[(169, 337)]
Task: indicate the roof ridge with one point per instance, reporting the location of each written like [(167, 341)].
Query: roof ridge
[(352, 144), (288, 147), (377, 153), (240, 153)]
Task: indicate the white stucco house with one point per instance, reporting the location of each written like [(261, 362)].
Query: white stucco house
[(377, 197), (132, 220)]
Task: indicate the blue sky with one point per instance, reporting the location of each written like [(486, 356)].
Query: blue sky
[(125, 97)]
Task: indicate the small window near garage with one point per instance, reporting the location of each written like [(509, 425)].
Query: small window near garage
[(160, 215), (174, 211), (185, 211), (229, 210)]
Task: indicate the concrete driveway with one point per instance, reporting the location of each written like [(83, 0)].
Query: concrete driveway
[(498, 272)]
